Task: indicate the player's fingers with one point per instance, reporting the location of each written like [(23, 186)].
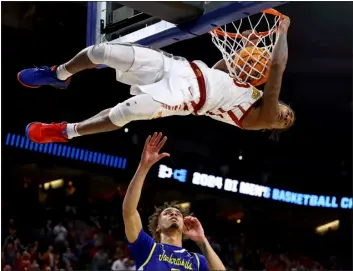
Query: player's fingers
[(161, 144), (158, 138), (188, 221), (153, 138), (186, 225), (163, 155), (194, 221), (148, 140)]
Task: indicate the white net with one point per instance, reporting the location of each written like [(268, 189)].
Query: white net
[(246, 46)]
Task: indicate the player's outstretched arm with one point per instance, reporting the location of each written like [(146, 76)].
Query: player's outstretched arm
[(270, 107), (150, 156)]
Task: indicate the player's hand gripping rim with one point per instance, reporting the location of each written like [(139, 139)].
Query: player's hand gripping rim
[(284, 24)]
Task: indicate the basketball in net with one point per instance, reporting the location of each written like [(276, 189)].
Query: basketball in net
[(248, 56), (252, 65)]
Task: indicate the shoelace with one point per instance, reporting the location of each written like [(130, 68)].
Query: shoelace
[(43, 68)]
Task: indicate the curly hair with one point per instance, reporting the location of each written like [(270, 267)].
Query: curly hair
[(153, 219)]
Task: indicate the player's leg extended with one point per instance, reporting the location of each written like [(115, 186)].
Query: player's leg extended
[(117, 56), (140, 107)]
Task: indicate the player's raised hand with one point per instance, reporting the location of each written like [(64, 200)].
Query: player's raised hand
[(250, 38), (193, 229), (247, 33), (250, 34), (153, 145)]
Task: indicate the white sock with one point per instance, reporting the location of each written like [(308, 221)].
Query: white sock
[(62, 73), (71, 130)]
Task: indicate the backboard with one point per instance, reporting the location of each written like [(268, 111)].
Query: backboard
[(159, 24)]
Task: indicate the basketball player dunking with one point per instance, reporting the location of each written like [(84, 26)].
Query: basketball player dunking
[(166, 85), (168, 225)]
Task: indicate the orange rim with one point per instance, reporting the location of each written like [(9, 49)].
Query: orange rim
[(219, 32)]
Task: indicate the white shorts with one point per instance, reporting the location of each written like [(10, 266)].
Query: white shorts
[(168, 79), (162, 83)]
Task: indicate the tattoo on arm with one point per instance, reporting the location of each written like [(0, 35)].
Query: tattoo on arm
[(280, 51), (279, 62), (269, 108)]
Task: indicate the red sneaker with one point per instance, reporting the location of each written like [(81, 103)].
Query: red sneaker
[(47, 133)]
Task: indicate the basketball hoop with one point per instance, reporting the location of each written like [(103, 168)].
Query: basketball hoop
[(248, 57)]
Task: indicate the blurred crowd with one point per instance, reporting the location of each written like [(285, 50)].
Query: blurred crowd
[(61, 236), (78, 245), (72, 245)]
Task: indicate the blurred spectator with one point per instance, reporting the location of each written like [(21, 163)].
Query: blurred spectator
[(100, 260), (34, 250), (48, 228), (24, 261), (61, 263), (109, 242), (121, 262), (68, 255), (130, 265), (11, 235), (124, 264), (72, 235), (46, 236), (60, 234), (9, 254), (34, 266), (47, 258)]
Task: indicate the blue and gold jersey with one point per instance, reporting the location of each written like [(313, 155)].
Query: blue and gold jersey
[(149, 255)]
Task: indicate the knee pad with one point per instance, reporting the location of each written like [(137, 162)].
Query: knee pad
[(116, 56), (117, 117), (96, 53)]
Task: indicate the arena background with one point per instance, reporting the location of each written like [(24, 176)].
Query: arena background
[(312, 157)]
